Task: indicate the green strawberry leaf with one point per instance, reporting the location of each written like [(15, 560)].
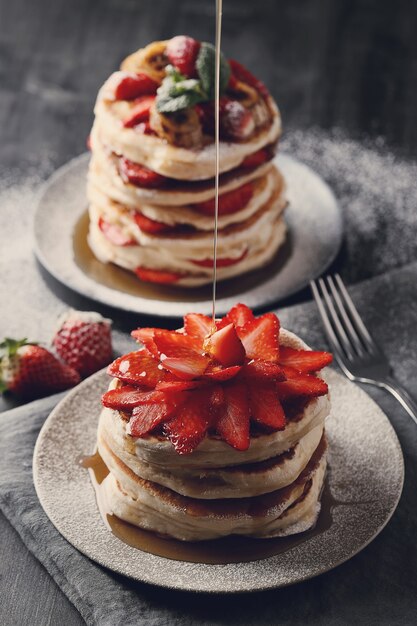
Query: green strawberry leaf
[(205, 64), (11, 346)]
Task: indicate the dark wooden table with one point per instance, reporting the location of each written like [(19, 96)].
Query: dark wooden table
[(349, 63)]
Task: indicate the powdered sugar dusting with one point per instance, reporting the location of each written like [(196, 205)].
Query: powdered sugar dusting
[(378, 194)]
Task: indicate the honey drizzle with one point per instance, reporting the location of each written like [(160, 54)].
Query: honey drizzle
[(219, 12)]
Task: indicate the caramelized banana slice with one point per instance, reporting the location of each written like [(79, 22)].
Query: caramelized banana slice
[(182, 128), (151, 60)]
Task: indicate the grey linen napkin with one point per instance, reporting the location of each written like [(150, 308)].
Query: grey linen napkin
[(378, 586)]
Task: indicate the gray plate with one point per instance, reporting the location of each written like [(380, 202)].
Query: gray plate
[(365, 496), (315, 234)]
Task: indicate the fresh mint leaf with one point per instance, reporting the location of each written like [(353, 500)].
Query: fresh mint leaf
[(168, 104), (178, 92), (205, 64)]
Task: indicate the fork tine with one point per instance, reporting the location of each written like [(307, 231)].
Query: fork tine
[(350, 330), (366, 338), (335, 322), (333, 339)]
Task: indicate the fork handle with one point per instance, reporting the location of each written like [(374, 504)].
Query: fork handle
[(403, 397)]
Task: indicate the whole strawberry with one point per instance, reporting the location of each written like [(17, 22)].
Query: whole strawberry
[(30, 371), (83, 341)]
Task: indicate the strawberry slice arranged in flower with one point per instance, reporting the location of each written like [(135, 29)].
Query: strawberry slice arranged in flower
[(181, 354), (306, 361), (260, 337), (265, 406), (137, 368), (214, 378), (233, 423)]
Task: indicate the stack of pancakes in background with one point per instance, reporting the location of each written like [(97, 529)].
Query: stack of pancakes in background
[(271, 489), (151, 185)]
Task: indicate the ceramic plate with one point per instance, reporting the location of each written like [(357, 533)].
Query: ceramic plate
[(61, 225), (364, 496)]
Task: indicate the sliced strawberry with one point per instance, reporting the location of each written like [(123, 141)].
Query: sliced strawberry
[(305, 361), (236, 122), (150, 226), (140, 175), (256, 159), (157, 276), (182, 52), (124, 398), (139, 112), (149, 415), (304, 385), (115, 234), (263, 370), (239, 315), (233, 423), (265, 406), (243, 74), (198, 325), (180, 385), (225, 346), (220, 374), (138, 368), (260, 338), (230, 202), (189, 426), (225, 262), (145, 336), (132, 86), (181, 354)]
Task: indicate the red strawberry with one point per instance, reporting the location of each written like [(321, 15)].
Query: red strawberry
[(265, 406), (305, 361), (198, 325), (243, 74), (236, 122), (260, 338), (238, 315), (182, 52), (230, 202), (114, 234), (181, 354), (225, 262), (140, 175), (179, 385), (139, 112), (220, 374), (145, 336), (150, 226), (137, 368), (127, 397), (157, 276), (233, 423), (31, 371), (132, 86), (256, 159), (263, 370), (189, 426), (303, 385), (225, 346), (83, 341), (149, 415)]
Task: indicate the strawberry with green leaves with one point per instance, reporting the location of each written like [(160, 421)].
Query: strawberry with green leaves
[(219, 379), (31, 371)]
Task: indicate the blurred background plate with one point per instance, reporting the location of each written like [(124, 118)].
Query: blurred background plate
[(61, 225)]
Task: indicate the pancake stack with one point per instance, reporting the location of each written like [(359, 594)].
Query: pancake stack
[(151, 185), (242, 455)]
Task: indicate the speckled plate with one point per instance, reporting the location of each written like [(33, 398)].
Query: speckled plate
[(364, 496), (61, 225)]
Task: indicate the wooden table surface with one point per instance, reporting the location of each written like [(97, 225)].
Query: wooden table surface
[(345, 63)]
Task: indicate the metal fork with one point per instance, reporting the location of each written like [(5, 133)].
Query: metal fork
[(357, 353)]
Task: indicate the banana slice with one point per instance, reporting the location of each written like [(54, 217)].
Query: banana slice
[(180, 129), (151, 60)]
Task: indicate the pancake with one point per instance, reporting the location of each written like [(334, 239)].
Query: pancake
[(150, 506)]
